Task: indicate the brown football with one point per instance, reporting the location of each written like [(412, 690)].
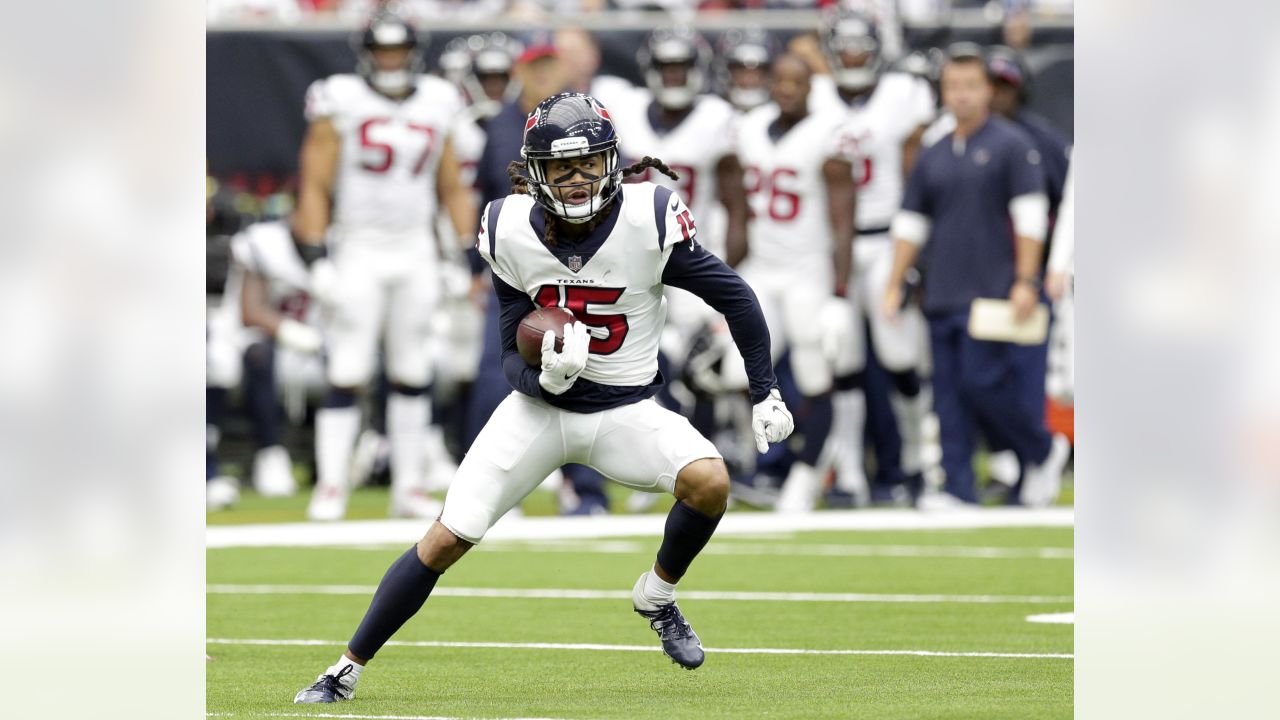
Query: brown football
[(534, 325)]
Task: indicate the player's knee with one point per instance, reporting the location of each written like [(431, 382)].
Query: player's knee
[(340, 397), (410, 390), (439, 548), (706, 485)]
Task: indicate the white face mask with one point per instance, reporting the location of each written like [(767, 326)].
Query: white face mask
[(748, 98), (391, 82), (859, 78)]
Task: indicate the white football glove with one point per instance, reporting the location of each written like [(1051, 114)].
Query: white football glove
[(561, 369), (771, 422), (324, 282), (298, 337)]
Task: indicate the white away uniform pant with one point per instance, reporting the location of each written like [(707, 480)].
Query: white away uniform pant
[(382, 294), (790, 303), (642, 446), (898, 343)]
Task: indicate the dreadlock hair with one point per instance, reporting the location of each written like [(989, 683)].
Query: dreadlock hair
[(520, 186)]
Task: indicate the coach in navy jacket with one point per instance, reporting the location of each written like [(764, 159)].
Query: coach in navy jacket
[(975, 206)]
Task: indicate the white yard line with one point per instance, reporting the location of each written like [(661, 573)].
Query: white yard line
[(378, 532), (1067, 618), (641, 648), (360, 716), (622, 547), (571, 594)]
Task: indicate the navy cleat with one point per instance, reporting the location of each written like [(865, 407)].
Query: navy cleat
[(328, 688), (679, 641)]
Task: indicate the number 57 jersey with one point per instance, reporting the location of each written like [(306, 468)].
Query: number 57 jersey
[(790, 230), (611, 279), (386, 175)]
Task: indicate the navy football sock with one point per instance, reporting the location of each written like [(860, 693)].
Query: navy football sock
[(399, 596), (260, 394), (687, 533), (813, 423)]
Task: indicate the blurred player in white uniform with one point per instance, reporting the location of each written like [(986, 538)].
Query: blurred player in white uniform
[(743, 58), (694, 134), (799, 179), (887, 114), (376, 164), (282, 342)]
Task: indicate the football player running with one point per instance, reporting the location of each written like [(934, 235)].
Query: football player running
[(283, 340), (376, 162), (799, 178), (887, 114), (573, 235)]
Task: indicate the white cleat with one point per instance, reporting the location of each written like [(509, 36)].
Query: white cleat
[(221, 493), (415, 504), (1043, 482), (941, 501), (327, 504), (800, 490), (273, 472)]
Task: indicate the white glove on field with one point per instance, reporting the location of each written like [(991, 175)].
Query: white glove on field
[(324, 282), (771, 422), (299, 337), (561, 369)]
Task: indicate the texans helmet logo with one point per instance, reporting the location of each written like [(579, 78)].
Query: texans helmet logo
[(533, 119), (600, 109)]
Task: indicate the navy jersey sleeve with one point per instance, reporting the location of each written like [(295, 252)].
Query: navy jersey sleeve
[(690, 267), (513, 305), (1025, 168)]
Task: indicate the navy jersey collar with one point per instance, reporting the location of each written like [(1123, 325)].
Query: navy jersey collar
[(583, 248)]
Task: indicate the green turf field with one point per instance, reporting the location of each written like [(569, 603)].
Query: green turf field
[(942, 591)]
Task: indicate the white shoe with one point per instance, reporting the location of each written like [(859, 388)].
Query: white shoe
[(940, 501), (1003, 467), (800, 490), (327, 504), (415, 504), (221, 493), (273, 472), (1043, 482)]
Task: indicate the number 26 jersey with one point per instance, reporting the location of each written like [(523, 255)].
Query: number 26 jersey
[(790, 229)]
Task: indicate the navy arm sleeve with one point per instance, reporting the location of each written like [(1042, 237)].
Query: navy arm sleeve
[(692, 268), (513, 305)]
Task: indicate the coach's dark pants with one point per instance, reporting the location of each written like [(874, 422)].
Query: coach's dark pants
[(978, 383)]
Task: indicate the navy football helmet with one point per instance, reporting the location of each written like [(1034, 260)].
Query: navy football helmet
[(387, 30), (1005, 64), (571, 125), (671, 46), (746, 49), (846, 31)]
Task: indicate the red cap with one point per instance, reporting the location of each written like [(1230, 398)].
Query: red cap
[(533, 52)]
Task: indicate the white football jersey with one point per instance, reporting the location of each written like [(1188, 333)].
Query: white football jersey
[(385, 183), (617, 291), (693, 149), (879, 124), (267, 248), (791, 230)]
